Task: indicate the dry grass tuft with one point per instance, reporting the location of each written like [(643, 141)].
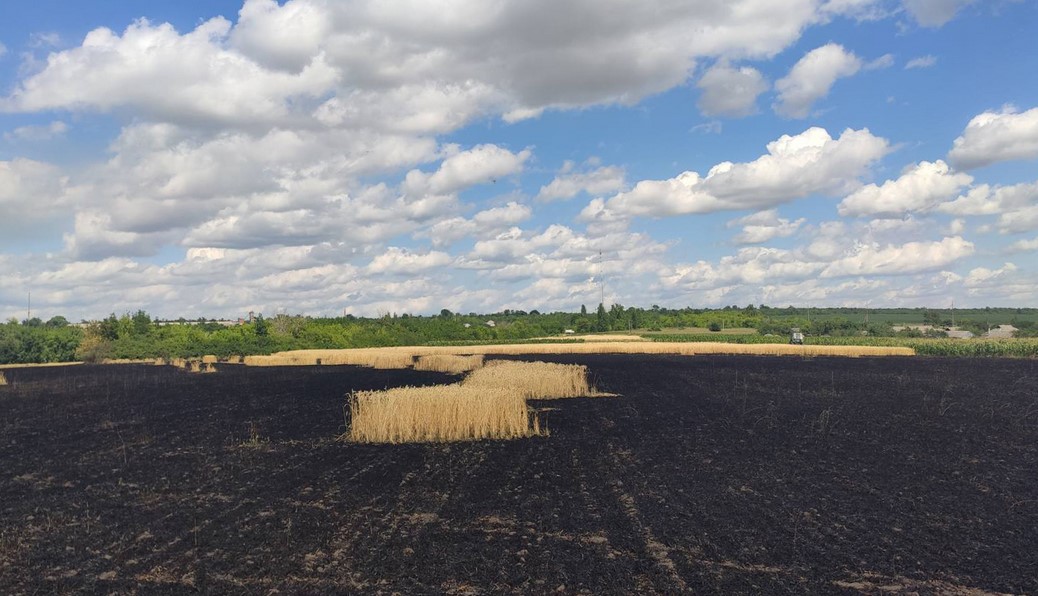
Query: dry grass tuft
[(449, 363), (439, 414), (533, 380), (3, 378), (209, 359), (194, 365), (132, 361)]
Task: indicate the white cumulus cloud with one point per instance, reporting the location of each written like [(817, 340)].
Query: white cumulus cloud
[(934, 13), (921, 62), (992, 137), (400, 261), (764, 226), (730, 91), (479, 165), (568, 183), (911, 257), (812, 77), (794, 167), (920, 187)]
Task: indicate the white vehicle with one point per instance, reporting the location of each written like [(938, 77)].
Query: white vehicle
[(796, 337)]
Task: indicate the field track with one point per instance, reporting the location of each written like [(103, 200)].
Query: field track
[(734, 474)]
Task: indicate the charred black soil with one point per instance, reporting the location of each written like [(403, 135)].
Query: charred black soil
[(708, 474)]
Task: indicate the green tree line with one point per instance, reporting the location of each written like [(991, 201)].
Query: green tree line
[(137, 335)]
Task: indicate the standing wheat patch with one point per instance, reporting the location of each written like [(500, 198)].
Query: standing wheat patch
[(438, 414)]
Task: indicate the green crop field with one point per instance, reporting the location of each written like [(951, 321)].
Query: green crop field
[(1013, 348)]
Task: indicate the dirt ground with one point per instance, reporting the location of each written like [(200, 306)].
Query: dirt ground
[(709, 474)]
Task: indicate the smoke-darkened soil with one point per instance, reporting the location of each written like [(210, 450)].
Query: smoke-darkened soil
[(708, 474)]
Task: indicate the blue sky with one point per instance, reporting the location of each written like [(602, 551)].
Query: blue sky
[(308, 156)]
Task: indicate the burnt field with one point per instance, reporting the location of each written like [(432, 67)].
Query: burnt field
[(708, 474)]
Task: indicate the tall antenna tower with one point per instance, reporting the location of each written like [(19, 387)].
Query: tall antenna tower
[(601, 279), (28, 307)]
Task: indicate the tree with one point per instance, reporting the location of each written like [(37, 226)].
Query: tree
[(602, 324), (94, 347), (141, 323), (261, 326), (583, 310), (57, 322), (932, 317), (446, 314), (108, 329)]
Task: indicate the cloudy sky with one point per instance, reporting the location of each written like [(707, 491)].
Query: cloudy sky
[(209, 157)]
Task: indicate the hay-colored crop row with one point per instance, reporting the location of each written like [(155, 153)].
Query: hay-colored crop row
[(533, 380), (438, 414), (38, 365), (449, 363), (133, 361), (404, 356), (489, 404)]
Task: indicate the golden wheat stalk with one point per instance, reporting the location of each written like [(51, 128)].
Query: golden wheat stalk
[(533, 380), (489, 404), (449, 363), (438, 414)]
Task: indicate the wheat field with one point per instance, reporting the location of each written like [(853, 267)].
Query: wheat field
[(404, 356), (449, 363), (439, 414), (533, 380), (490, 403)]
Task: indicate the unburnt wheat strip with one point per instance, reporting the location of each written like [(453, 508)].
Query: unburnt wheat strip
[(403, 356), (438, 414), (534, 380), (449, 363), (489, 404)]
